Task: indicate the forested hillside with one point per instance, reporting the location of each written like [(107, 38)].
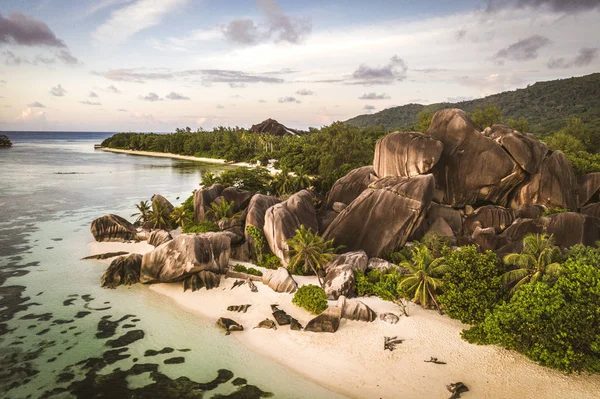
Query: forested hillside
[(545, 105)]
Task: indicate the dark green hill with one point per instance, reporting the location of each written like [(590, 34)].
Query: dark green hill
[(545, 105)]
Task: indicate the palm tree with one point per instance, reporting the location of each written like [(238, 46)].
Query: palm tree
[(537, 259), (424, 280), (284, 183), (143, 212), (310, 250), (158, 216), (208, 179), (178, 216), (221, 210), (302, 178)]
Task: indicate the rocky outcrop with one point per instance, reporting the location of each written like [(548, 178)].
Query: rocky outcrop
[(328, 321), (384, 216), (158, 237), (166, 205), (325, 217), (233, 226), (349, 187), (442, 220), (592, 210), (283, 219), (496, 217), (255, 215), (113, 228), (389, 318), (473, 168), (280, 280), (202, 200), (123, 270), (553, 186), (272, 127), (186, 255), (525, 149), (340, 279), (588, 188), (379, 264), (203, 279), (229, 325), (5, 141), (530, 211), (353, 309), (406, 154), (239, 198)]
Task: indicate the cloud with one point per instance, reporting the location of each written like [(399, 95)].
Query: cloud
[(261, 101), (567, 6), (29, 115), (92, 95), (283, 100), (175, 96), (113, 89), (36, 104), (151, 97), (24, 30), (15, 60), (277, 26), (86, 102), (130, 19), (585, 57), (394, 71), (374, 96), (460, 34), (369, 107), (523, 50), (12, 59), (459, 99), (122, 110), (58, 91), (66, 57), (235, 85), (305, 92), (141, 75)]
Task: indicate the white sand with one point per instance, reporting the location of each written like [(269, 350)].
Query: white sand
[(177, 156), (353, 362)]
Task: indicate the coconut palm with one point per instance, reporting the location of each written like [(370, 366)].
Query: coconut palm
[(310, 250), (143, 212), (158, 217), (425, 278), (208, 179), (178, 216), (220, 210), (538, 258), (302, 178), (284, 183)]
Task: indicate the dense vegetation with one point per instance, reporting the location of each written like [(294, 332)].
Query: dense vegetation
[(545, 105), (311, 298)]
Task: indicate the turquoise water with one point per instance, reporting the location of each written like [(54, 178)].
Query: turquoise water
[(61, 334)]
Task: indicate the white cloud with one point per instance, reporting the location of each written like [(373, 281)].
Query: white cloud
[(31, 115), (133, 18)]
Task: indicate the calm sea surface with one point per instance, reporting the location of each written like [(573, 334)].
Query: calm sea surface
[(61, 334)]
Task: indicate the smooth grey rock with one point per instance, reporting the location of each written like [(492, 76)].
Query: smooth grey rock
[(353, 309), (406, 154), (349, 187), (497, 217), (379, 264), (389, 318), (255, 215), (592, 210), (588, 188), (239, 198), (338, 207), (328, 321), (203, 279), (233, 226), (268, 324), (158, 237), (229, 325), (167, 206), (525, 149), (339, 279), (280, 280), (113, 228), (123, 270), (202, 200)]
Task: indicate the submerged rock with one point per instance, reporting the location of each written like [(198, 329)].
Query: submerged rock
[(384, 216), (229, 325), (406, 154), (280, 280), (353, 309), (123, 270), (113, 228), (185, 255), (328, 321), (158, 237)]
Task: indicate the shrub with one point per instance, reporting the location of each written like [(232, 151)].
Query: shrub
[(269, 261), (248, 270), (203, 227), (258, 241), (552, 211), (380, 284), (311, 298), (256, 179), (472, 284)]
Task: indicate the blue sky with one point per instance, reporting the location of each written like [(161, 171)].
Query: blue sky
[(154, 65)]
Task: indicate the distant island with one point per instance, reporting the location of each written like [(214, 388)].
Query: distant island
[(5, 141)]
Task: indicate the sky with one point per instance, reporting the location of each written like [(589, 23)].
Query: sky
[(155, 65)]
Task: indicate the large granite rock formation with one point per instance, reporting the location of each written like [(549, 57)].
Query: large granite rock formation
[(166, 205), (185, 255), (113, 228), (525, 149), (280, 280), (239, 198), (383, 217), (123, 270), (255, 215), (589, 189), (158, 237), (283, 219), (406, 154), (349, 187), (553, 186), (496, 217), (272, 127), (591, 210), (473, 168), (233, 226), (353, 309), (442, 220), (339, 279), (203, 198), (328, 321)]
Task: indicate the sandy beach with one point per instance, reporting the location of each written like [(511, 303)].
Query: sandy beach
[(353, 361), (177, 156)]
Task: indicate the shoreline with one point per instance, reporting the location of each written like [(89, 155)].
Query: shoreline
[(352, 361)]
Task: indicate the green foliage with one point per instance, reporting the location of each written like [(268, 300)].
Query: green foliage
[(424, 281), (221, 210), (269, 261), (488, 116), (208, 179), (537, 261), (437, 244), (472, 284), (309, 250), (257, 179), (556, 325), (143, 212), (383, 284), (204, 226), (521, 124), (179, 216), (258, 241), (158, 217), (425, 118), (311, 298), (248, 270), (553, 211)]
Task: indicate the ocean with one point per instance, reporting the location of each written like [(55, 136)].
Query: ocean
[(61, 334)]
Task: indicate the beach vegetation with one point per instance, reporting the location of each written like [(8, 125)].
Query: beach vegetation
[(379, 283), (179, 216), (311, 298), (143, 212), (248, 270), (256, 179), (257, 243), (554, 211), (208, 179), (310, 252), (205, 226), (221, 210), (423, 283), (159, 217), (269, 261)]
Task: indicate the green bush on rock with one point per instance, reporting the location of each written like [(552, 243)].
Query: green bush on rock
[(248, 270), (203, 227), (269, 261), (311, 298)]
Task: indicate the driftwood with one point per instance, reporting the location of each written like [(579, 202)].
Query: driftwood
[(391, 342), (252, 286), (457, 388), (434, 360), (238, 283)]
